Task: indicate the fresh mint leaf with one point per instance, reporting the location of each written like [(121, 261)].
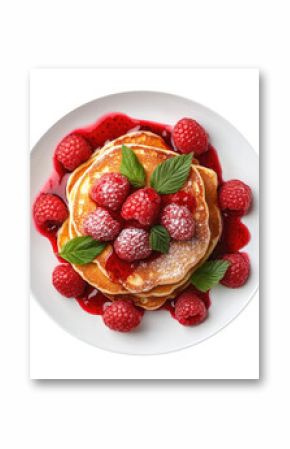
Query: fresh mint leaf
[(159, 239), (132, 168), (170, 176), (81, 250), (209, 274)]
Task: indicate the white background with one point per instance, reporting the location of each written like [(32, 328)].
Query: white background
[(237, 347), (169, 414)]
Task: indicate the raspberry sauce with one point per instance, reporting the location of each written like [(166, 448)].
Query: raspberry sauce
[(234, 237), (115, 124), (56, 184), (162, 130), (119, 269), (59, 171), (211, 160), (51, 235), (93, 301), (169, 306)]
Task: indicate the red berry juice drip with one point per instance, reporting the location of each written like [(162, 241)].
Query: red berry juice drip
[(115, 124), (235, 236), (211, 160), (93, 301), (169, 306), (50, 234), (119, 269)]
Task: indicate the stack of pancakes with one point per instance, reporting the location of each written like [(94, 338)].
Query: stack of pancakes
[(154, 281)]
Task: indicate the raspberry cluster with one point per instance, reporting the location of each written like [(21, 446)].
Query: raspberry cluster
[(126, 217)]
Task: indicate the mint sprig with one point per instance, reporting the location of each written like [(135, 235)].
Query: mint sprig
[(170, 176), (209, 274), (159, 239), (132, 168), (81, 250)]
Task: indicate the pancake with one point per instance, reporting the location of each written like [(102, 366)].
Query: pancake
[(146, 294), (168, 268), (91, 273), (215, 223)]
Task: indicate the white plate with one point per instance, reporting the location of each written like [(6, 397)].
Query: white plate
[(159, 333)]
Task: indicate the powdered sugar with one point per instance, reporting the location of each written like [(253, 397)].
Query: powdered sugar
[(132, 244), (101, 226), (178, 221)]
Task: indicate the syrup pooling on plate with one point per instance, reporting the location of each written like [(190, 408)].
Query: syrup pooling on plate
[(210, 159), (93, 301), (114, 130)]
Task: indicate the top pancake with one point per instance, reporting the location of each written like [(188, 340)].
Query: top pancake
[(169, 268)]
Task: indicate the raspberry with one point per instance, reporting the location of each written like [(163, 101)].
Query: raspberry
[(181, 198), (190, 309), (49, 211), (238, 271), (110, 190), (235, 196), (101, 226), (122, 316), (72, 151), (143, 206), (132, 244), (67, 281), (189, 136), (178, 221)]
